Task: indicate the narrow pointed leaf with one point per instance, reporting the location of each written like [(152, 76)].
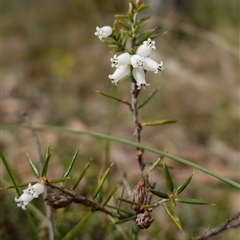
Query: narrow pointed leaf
[(159, 194), (146, 36), (119, 209), (173, 216), (62, 179), (143, 23), (67, 172), (33, 167), (168, 177), (155, 164), (192, 201), (124, 25), (111, 194), (112, 97), (126, 220), (133, 4), (130, 17), (184, 184), (142, 7), (81, 174), (46, 161), (125, 16), (149, 97), (128, 201), (158, 122), (100, 184), (21, 185)]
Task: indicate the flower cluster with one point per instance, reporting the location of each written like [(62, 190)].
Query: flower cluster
[(138, 63), (29, 194)]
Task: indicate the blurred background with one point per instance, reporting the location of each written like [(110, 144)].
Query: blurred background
[(51, 65)]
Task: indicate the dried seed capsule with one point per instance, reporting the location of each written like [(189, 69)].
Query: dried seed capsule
[(144, 220), (139, 195)]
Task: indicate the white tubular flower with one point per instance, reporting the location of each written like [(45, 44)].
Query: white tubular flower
[(119, 73), (34, 190), (139, 76), (121, 60), (29, 194), (103, 32), (151, 65), (137, 61), (23, 200), (145, 49)]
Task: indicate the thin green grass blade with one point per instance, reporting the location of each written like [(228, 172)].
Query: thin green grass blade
[(75, 230), (130, 143), (68, 170), (82, 174), (119, 228), (9, 171)]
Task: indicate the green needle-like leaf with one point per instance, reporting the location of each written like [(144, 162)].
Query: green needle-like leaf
[(192, 201), (159, 194), (111, 194), (158, 122), (128, 201), (33, 167), (62, 179), (100, 184), (146, 36), (168, 177), (155, 164), (67, 172), (184, 184), (125, 220), (81, 175), (173, 216), (46, 161), (112, 97), (147, 99)]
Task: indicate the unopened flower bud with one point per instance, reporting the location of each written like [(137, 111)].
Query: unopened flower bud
[(60, 200)]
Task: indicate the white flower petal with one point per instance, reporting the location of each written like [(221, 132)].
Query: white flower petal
[(151, 65), (103, 32), (137, 61), (121, 60), (39, 188), (146, 48), (119, 73), (139, 76)]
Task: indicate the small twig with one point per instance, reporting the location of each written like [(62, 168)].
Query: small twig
[(224, 226), (40, 162), (87, 202)]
